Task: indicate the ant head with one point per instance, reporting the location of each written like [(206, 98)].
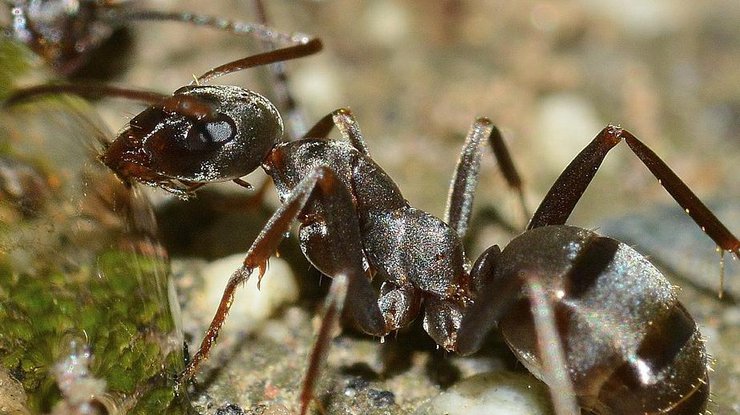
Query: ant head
[(200, 134)]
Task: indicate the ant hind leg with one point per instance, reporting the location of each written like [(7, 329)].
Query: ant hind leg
[(567, 190)]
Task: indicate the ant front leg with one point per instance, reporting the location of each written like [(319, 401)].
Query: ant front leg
[(333, 307), (346, 123), (343, 245)]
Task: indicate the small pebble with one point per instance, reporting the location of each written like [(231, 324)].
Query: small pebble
[(381, 399), (355, 385), (493, 393), (230, 409), (251, 307)]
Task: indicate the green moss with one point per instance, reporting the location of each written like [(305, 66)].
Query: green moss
[(14, 60), (17, 330), (11, 359), (73, 284), (119, 309), (159, 398)]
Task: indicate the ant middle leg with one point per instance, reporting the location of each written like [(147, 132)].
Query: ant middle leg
[(550, 347), (465, 177), (497, 297), (567, 190)]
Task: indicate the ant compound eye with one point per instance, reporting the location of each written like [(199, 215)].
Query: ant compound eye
[(211, 134), (221, 130)]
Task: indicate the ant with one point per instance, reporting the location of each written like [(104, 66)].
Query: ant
[(587, 314), (65, 33)]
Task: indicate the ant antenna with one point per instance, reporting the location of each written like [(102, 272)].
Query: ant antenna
[(302, 44), (86, 90), (308, 46), (312, 45), (292, 112)]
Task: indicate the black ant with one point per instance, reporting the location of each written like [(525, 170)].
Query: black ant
[(65, 33), (616, 339)]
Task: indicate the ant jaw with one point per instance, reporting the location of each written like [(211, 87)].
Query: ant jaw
[(129, 166)]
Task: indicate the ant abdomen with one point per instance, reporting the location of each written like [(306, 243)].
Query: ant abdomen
[(630, 346), (200, 134)]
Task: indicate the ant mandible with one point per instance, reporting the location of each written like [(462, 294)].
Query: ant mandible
[(624, 344)]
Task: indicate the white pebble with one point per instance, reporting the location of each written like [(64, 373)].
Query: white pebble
[(566, 123), (251, 307), (493, 393)]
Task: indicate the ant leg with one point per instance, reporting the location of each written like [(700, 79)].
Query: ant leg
[(491, 302), (343, 231), (322, 127), (296, 118), (562, 197), (497, 298), (550, 349), (346, 123), (507, 167), (465, 177), (332, 311), (560, 201)]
